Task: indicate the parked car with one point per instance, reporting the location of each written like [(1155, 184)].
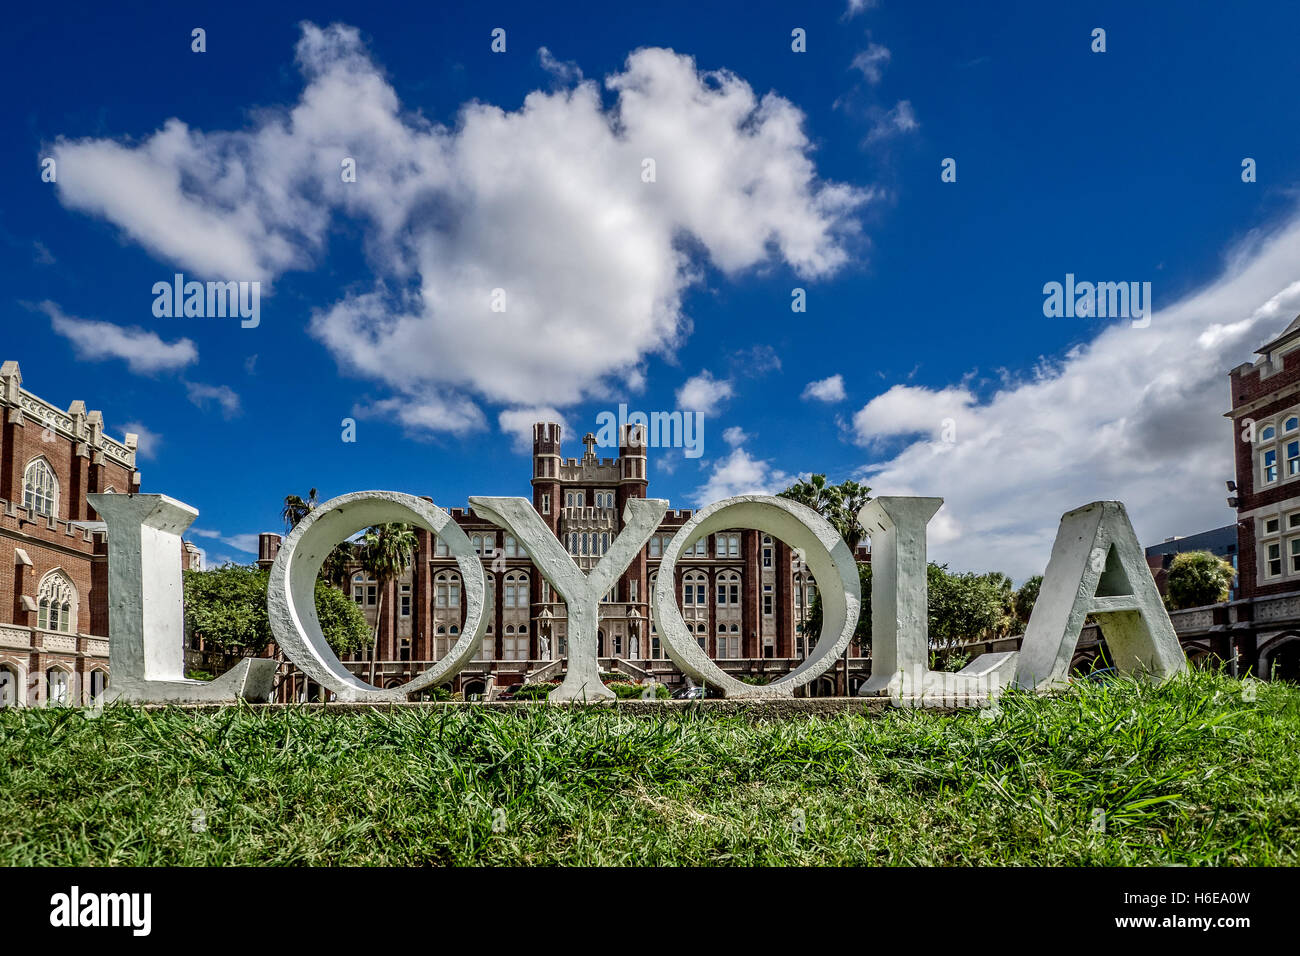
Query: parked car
[(697, 693)]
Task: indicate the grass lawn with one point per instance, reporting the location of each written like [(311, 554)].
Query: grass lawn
[(1186, 773)]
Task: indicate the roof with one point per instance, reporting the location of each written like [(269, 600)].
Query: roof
[(1291, 332)]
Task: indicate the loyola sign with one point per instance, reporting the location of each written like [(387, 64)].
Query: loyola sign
[(1096, 567)]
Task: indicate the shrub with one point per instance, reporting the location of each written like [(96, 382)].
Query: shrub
[(1197, 578)]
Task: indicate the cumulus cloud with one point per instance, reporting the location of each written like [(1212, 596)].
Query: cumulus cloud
[(541, 207), (735, 435), (826, 389), (703, 393), (223, 396), (518, 424), (148, 441), (1135, 414), (144, 352), (741, 474)]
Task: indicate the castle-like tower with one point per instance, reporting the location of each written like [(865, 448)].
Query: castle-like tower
[(741, 592)]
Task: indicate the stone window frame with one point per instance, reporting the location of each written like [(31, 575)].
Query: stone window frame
[(38, 491), (64, 671), (57, 602)]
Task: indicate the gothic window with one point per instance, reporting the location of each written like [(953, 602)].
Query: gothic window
[(516, 592), (694, 589), (729, 588), (447, 589), (365, 589), (40, 488), (57, 687), (57, 603), (9, 685)]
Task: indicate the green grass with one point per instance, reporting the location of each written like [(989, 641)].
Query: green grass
[(1187, 773)]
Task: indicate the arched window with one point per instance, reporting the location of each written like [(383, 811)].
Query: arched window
[(695, 589), (447, 589), (365, 589), (9, 685), (98, 682), (516, 590), (1267, 433), (40, 488), (57, 603), (1291, 424), (57, 687), (729, 588)]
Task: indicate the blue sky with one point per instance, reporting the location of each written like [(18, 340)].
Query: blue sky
[(521, 170)]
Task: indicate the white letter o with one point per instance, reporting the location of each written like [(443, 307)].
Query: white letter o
[(828, 557), (291, 593)]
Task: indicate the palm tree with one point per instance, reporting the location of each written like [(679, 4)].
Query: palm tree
[(385, 552), (838, 504), (295, 509)]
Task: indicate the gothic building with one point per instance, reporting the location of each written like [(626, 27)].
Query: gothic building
[(53, 600), (743, 593)]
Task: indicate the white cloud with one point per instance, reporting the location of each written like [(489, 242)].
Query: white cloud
[(1134, 415), (148, 441), (826, 389), (909, 410), (143, 351), (545, 202), (901, 119), (735, 435), (858, 6), (741, 474), (872, 61), (566, 71), (240, 542), (518, 423), (703, 393), (223, 395)]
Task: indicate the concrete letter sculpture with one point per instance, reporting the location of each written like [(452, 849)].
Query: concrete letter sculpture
[(582, 592), (827, 556), (146, 650), (291, 596), (900, 645), (1097, 567)]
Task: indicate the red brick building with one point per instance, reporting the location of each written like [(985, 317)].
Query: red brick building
[(743, 593), (1266, 426), (53, 594)]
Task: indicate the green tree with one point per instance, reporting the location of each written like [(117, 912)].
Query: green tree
[(1026, 598), (338, 563), (385, 551), (963, 607), (1197, 578), (296, 508), (226, 606), (838, 504)]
